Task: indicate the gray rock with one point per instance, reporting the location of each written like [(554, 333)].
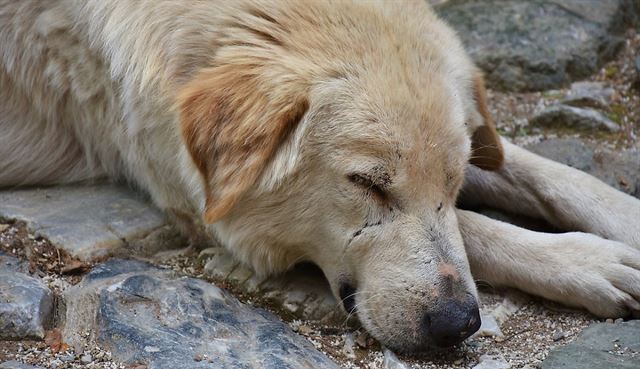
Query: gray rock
[(588, 94), (560, 116), (17, 365), (86, 358), (489, 327), (391, 361), (620, 169), (26, 305), (87, 221), (526, 45), (602, 345), (144, 314), (9, 263)]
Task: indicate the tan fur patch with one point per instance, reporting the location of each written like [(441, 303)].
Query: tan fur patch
[(232, 124)]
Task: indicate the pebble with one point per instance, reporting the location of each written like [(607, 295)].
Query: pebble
[(67, 357), (492, 362), (391, 361), (558, 335), (489, 327), (86, 358), (348, 348), (362, 339)]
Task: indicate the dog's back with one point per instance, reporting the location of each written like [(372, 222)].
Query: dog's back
[(50, 84)]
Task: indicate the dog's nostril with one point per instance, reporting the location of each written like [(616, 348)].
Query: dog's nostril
[(348, 297)]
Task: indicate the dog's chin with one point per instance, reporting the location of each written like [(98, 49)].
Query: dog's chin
[(413, 349)]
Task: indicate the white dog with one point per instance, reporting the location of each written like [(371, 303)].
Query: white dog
[(337, 132)]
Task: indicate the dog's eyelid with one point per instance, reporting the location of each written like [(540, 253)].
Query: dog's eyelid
[(364, 181)]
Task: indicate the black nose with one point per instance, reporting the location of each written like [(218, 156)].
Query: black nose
[(452, 322)]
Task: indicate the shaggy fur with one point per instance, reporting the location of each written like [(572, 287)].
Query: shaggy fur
[(336, 132)]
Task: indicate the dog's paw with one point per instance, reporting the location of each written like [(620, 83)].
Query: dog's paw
[(599, 275)]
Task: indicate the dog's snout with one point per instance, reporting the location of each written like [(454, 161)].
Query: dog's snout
[(452, 322)]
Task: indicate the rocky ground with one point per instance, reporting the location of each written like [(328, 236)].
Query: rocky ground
[(565, 82)]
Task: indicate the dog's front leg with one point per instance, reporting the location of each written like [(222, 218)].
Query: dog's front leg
[(576, 269), (566, 197)]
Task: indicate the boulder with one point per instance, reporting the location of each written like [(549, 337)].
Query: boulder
[(151, 316), (534, 45)]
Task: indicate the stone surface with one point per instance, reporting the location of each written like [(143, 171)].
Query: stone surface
[(88, 221), (17, 365), (603, 345), (492, 362), (561, 116), (489, 327), (26, 304), (525, 45), (9, 263), (147, 315), (391, 361), (588, 94), (303, 291), (620, 169), (494, 316)]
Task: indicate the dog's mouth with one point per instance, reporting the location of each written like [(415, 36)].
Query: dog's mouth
[(348, 297)]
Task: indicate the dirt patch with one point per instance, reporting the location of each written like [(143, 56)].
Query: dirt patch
[(44, 259), (512, 111)]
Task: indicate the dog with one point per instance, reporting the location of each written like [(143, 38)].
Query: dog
[(344, 133)]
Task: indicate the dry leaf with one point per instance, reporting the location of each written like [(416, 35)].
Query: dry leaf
[(53, 339), (74, 267)]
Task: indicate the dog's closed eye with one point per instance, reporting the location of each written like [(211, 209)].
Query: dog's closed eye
[(368, 184)]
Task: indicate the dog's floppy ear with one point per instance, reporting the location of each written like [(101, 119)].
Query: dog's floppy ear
[(486, 148), (233, 118)]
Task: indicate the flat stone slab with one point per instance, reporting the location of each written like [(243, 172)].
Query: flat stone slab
[(147, 315), (533, 45), (620, 169), (589, 94), (86, 220), (26, 304), (602, 345), (17, 365), (585, 119)]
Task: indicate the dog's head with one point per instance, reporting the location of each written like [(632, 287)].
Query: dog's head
[(347, 148)]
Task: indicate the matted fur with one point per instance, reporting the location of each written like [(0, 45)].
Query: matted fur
[(336, 132)]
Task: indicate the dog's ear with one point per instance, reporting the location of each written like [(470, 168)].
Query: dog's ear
[(233, 118), (486, 148)]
